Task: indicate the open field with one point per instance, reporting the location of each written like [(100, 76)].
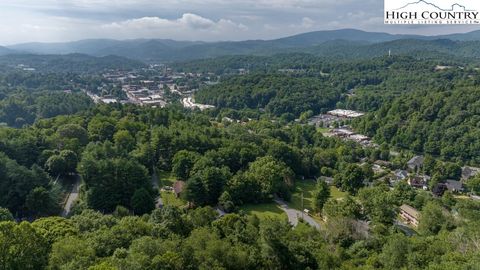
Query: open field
[(170, 199), (308, 186), (264, 211), (336, 193), (166, 178)]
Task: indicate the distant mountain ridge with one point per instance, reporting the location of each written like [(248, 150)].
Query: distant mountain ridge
[(5, 51), (165, 50)]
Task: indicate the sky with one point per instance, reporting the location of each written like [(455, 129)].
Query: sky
[(207, 20)]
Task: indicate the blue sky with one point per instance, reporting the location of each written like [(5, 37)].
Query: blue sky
[(208, 20)]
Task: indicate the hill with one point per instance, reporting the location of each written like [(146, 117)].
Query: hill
[(76, 63), (5, 51), (345, 41)]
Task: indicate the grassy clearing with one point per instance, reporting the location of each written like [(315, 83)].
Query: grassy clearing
[(166, 178), (307, 187), (170, 199), (323, 130), (335, 193), (264, 211)]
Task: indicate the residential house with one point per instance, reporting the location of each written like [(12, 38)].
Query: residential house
[(469, 172), (383, 163), (439, 189), (454, 186), (401, 175), (397, 176), (328, 180), (178, 187), (410, 215), (416, 163), (419, 182)]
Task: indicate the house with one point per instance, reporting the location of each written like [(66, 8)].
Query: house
[(178, 188), (383, 163), (454, 186), (439, 189), (401, 175), (469, 172), (397, 176), (418, 182), (377, 169), (410, 215), (416, 163), (328, 180)]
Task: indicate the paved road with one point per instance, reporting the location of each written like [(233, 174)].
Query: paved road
[(294, 215), (159, 202), (72, 197)]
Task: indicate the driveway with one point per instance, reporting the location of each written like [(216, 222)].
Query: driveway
[(159, 201), (72, 196), (294, 215)]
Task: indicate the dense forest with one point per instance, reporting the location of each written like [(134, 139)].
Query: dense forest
[(70, 63), (408, 98), (115, 149)]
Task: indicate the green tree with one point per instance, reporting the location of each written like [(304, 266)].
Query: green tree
[(395, 252), (40, 203), (101, 128), (350, 179), (378, 204), (183, 162), (124, 141), (21, 247), (73, 131), (320, 195), (346, 207), (271, 175), (473, 185), (56, 165), (71, 253), (71, 160), (142, 202), (5, 215), (433, 219)]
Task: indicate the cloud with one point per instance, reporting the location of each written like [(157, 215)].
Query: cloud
[(307, 22), (189, 25), (209, 20)]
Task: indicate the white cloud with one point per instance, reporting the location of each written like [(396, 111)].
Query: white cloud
[(209, 20), (188, 26), (307, 22)]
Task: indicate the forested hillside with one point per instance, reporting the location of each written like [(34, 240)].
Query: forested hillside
[(70, 63), (427, 106), (248, 184), (276, 94), (27, 96), (227, 165)]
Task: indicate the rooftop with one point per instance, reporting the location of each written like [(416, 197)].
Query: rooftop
[(410, 210)]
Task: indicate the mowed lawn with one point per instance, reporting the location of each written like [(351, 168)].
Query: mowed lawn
[(166, 178), (336, 193), (264, 211), (169, 198), (308, 187)]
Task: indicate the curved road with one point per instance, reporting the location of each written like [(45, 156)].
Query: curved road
[(293, 215)]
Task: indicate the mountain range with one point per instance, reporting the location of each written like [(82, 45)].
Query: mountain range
[(320, 43)]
